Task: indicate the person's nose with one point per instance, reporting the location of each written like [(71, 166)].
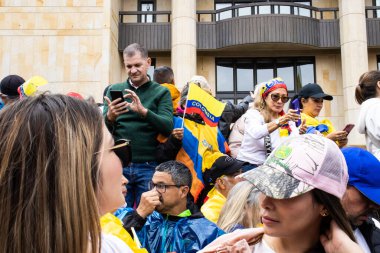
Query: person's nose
[(133, 70), (265, 201)]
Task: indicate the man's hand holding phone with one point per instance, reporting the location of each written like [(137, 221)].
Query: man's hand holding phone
[(117, 106)]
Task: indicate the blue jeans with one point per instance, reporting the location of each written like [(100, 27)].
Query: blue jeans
[(139, 175), (248, 167)]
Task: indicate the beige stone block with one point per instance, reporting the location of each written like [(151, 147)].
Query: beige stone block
[(130, 5), (328, 73), (163, 61), (354, 62), (183, 69), (372, 61), (205, 5), (206, 68), (353, 28), (183, 8), (351, 6), (336, 107), (5, 56), (325, 3), (179, 37), (164, 5)]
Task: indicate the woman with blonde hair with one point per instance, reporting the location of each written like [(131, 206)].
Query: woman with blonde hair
[(59, 172), (266, 124), (241, 209)]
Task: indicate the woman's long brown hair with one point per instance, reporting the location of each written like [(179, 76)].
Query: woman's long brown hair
[(49, 175)]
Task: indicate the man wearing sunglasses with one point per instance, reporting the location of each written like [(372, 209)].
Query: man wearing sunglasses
[(362, 198), (176, 225)]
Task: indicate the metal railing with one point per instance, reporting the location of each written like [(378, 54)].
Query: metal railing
[(262, 8), (145, 16), (267, 8), (372, 11)]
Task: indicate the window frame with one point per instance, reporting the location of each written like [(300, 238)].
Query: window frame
[(237, 95), (140, 3)]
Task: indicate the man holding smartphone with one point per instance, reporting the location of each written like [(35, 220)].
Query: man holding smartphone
[(145, 112)]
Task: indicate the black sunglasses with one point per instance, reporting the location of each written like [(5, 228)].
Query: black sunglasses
[(276, 97)]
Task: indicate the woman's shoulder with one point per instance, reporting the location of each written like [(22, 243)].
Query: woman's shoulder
[(253, 113), (112, 244)]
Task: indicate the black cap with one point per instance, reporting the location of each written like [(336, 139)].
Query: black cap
[(224, 165), (315, 91), (10, 84)]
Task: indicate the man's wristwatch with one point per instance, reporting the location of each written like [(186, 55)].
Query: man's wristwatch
[(277, 121)]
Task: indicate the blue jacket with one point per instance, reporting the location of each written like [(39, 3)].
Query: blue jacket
[(165, 233)]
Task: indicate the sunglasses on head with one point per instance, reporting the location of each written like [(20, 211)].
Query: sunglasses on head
[(276, 97)]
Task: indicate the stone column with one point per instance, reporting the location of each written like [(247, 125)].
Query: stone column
[(353, 42), (184, 40)]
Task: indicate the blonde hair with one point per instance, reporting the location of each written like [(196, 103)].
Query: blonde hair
[(259, 103), (49, 175), (241, 207)]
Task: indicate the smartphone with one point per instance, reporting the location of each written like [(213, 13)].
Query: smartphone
[(115, 94), (348, 128), (296, 106)]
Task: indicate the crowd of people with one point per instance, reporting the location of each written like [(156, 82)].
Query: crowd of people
[(145, 175)]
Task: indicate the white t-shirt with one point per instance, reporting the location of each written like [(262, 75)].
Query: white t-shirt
[(112, 244), (262, 247), (369, 124), (361, 241), (252, 148)]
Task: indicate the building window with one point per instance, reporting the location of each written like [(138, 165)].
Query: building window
[(147, 6), (264, 9), (377, 12), (235, 77)]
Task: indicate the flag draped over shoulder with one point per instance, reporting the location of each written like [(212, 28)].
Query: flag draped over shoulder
[(201, 146), (202, 103)]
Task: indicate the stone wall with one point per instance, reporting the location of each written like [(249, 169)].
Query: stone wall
[(72, 43)]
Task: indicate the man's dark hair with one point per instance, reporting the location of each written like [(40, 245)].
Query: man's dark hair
[(181, 175), (132, 49), (163, 74)]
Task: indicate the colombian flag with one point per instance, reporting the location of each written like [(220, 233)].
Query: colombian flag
[(200, 102), (201, 146)]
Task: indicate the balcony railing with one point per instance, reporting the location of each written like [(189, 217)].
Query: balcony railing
[(267, 22), (144, 16), (372, 11), (267, 8)]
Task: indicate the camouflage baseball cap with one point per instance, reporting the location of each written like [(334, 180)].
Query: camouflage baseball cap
[(299, 165)]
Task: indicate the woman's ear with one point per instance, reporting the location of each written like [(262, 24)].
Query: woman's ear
[(378, 84), (303, 100)]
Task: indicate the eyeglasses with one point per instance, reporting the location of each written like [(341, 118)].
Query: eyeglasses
[(317, 100), (123, 150), (161, 188), (276, 97)]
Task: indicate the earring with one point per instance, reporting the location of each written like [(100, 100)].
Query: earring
[(324, 213)]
